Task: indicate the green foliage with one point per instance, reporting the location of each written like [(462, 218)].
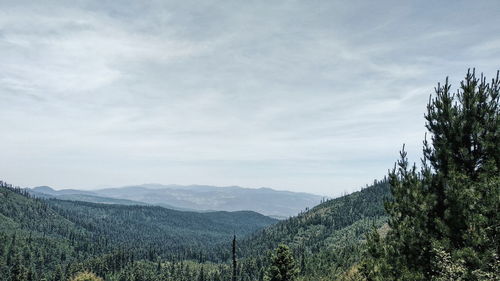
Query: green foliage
[(86, 276), (34, 239), (328, 239), (449, 268), (444, 218), (156, 231), (53, 239), (282, 267)]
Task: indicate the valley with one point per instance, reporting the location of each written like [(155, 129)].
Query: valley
[(68, 235)]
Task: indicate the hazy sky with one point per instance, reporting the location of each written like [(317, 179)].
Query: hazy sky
[(314, 96)]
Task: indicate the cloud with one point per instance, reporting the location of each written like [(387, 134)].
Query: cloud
[(306, 96), (71, 51)]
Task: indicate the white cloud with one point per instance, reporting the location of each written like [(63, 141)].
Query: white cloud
[(296, 95), (72, 51)]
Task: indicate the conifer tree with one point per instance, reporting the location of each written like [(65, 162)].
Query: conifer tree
[(18, 271), (234, 258), (58, 274), (201, 276), (282, 267), (449, 209)]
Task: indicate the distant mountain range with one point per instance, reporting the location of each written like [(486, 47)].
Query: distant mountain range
[(267, 201)]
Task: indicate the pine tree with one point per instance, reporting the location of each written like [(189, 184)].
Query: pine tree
[(18, 271), (201, 275), (234, 259), (158, 266), (450, 208), (58, 274), (282, 267)]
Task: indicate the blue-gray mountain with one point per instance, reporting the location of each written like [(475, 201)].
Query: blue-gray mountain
[(266, 201)]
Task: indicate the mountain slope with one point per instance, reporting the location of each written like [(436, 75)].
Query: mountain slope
[(47, 192), (44, 237), (64, 237), (20, 212), (124, 225), (37, 238), (163, 229), (328, 238)]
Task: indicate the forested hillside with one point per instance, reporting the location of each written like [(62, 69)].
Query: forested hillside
[(47, 238), (55, 238), (327, 239), (35, 240), (160, 231)]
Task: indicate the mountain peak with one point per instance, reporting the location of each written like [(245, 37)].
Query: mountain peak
[(44, 189)]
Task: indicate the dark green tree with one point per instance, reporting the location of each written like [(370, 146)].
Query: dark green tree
[(444, 217), (234, 258), (282, 267), (58, 274), (18, 271), (201, 275)]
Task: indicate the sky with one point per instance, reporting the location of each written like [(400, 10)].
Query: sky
[(311, 96)]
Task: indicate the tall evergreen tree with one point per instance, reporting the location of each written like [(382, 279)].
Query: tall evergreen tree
[(282, 267), (447, 213), (234, 259), (201, 275), (18, 271)]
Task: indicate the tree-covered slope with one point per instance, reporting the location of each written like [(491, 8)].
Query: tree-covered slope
[(314, 227), (67, 236), (326, 239), (21, 213), (35, 239), (142, 227), (163, 230), (47, 239)]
